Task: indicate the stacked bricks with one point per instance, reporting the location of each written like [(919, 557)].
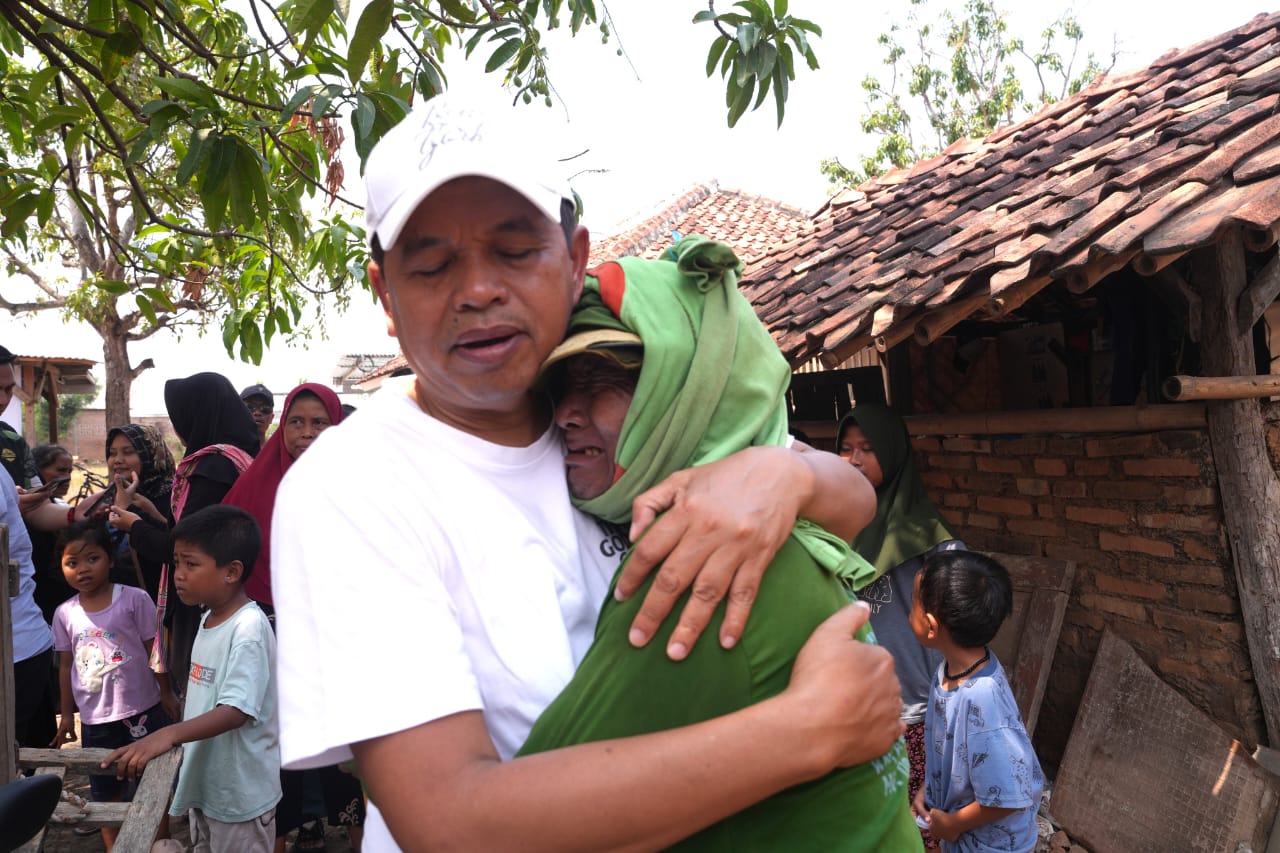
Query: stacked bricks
[(1140, 516)]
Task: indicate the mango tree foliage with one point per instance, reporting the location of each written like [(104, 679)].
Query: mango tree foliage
[(176, 161), (963, 76)]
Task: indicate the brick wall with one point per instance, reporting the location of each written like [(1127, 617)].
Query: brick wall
[(1140, 516), (87, 436)]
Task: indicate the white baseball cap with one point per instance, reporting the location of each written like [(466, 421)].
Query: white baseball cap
[(451, 136)]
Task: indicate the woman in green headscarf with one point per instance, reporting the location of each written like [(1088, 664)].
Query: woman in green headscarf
[(905, 530), (666, 366)]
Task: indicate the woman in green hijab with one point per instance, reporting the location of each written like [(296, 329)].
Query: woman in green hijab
[(905, 530), (665, 367)]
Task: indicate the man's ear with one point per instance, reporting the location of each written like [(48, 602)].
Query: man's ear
[(579, 252), (379, 285), (235, 571)]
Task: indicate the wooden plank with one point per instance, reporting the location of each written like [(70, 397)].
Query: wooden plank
[(8, 723), (1145, 771), (94, 814), (1028, 639), (34, 845), (150, 804), (80, 760)]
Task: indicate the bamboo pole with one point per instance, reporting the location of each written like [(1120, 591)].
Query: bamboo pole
[(1049, 421), (1044, 421), (939, 321), (1180, 388)]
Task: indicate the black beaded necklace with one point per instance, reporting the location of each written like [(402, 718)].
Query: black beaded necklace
[(970, 671)]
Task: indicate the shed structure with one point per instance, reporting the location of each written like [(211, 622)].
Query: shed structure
[(1028, 294)]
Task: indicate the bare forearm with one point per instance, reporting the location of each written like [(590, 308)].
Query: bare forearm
[(223, 718), (640, 793), (47, 516), (842, 500)]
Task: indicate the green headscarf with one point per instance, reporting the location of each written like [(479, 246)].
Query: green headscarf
[(712, 381), (907, 523)]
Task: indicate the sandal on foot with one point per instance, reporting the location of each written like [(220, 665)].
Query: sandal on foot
[(310, 838)]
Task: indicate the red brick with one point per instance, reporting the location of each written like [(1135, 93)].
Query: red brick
[(1065, 446), (957, 499), (1201, 629), (1070, 489), (1172, 668), (1197, 550), (1004, 506), (1110, 541), (1097, 515), (1162, 468), (1132, 588), (1020, 446), (1191, 497), (1050, 467), (926, 444), (936, 479), (1125, 445), (993, 483), (1035, 527), (954, 517), (1092, 467), (1036, 488), (951, 461), (1201, 574), (1206, 600), (1180, 441), (1046, 509), (966, 445), (1079, 554), (988, 522), (1117, 606), (1000, 465), (1171, 521), (1126, 490)]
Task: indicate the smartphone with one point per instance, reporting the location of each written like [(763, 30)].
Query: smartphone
[(53, 484), (103, 502)]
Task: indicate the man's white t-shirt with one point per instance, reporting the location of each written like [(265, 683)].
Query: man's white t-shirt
[(419, 571)]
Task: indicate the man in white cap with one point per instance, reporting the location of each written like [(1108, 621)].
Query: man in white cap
[(422, 633)]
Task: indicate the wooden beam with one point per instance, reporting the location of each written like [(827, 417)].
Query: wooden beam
[(939, 321), (1149, 265), (1247, 483), (1013, 298), (1051, 421), (1259, 295), (1179, 388), (1083, 278), (150, 804)]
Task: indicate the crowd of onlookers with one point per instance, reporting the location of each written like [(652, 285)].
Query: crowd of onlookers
[(109, 620)]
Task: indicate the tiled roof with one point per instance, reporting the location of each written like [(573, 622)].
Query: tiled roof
[(750, 223), (1139, 168)]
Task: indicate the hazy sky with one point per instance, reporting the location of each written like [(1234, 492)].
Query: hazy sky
[(658, 129)]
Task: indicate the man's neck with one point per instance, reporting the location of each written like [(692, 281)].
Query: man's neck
[(520, 426)]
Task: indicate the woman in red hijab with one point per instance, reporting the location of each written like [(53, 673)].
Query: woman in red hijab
[(309, 410)]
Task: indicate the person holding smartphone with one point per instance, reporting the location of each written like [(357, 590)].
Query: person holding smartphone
[(53, 464)]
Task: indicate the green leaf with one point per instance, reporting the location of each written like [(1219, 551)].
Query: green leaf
[(780, 85), (192, 91), (16, 214), (748, 35), (374, 22), (213, 185), (239, 195), (55, 115), (112, 286), (158, 296), (779, 8), (250, 341), (704, 15), (116, 49), (197, 154), (713, 56), (363, 115), (739, 105), (500, 56), (148, 310), (231, 330)]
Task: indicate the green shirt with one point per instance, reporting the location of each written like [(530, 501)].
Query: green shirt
[(620, 691)]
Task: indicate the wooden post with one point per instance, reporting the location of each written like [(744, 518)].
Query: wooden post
[(8, 724), (1221, 387), (1247, 482)]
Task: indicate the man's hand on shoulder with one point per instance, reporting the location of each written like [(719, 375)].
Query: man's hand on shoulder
[(717, 527)]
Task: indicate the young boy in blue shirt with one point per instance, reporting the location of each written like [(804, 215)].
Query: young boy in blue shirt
[(982, 779), (229, 782)]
